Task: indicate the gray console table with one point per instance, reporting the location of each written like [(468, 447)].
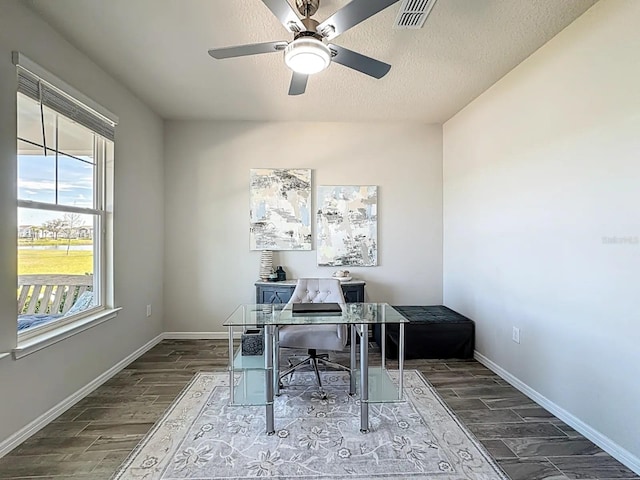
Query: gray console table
[(280, 292)]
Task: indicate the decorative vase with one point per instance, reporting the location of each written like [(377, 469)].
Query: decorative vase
[(282, 275), (266, 264)]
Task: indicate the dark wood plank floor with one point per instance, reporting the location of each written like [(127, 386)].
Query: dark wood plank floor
[(92, 438)]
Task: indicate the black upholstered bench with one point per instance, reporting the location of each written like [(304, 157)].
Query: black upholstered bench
[(432, 332)]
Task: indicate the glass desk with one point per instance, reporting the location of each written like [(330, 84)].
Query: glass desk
[(254, 378)]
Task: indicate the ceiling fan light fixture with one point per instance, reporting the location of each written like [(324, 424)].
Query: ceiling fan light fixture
[(307, 55)]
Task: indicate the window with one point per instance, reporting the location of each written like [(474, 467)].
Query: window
[(65, 157)]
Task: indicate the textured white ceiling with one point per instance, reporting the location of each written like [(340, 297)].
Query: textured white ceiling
[(158, 49)]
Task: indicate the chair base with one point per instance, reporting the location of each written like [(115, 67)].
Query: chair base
[(313, 359)]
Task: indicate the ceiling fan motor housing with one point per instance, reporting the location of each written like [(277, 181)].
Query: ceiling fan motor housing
[(310, 26)]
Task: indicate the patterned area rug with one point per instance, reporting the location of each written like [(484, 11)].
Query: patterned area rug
[(202, 437)]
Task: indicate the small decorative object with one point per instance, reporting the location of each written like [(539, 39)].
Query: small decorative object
[(282, 275), (266, 264), (251, 342), (342, 275)]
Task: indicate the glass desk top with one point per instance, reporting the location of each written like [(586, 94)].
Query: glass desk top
[(281, 314)]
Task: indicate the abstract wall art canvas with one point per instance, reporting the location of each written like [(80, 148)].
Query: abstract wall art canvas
[(347, 225), (280, 210)]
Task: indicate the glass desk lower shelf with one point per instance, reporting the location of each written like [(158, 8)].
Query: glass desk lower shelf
[(382, 389), (249, 380), (254, 378)]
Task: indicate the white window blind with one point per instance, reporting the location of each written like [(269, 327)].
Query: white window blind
[(43, 87)]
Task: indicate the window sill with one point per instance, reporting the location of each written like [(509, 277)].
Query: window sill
[(39, 342)]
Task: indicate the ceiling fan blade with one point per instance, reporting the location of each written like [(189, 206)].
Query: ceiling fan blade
[(298, 83), (351, 15), (367, 65), (251, 49), (286, 14)]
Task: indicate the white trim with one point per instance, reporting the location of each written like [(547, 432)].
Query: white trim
[(56, 207), (22, 61), (196, 335), (50, 337), (53, 413), (40, 331), (612, 448), (3, 355)]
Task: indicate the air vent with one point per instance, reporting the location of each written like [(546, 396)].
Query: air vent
[(413, 13)]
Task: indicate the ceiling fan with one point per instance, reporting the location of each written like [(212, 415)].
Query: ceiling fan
[(309, 52)]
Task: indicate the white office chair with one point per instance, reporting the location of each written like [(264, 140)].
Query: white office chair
[(314, 337)]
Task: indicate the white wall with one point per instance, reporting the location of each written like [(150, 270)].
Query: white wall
[(210, 269), (34, 384), (537, 172)]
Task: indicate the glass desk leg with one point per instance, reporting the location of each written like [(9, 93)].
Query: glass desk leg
[(268, 358), (401, 363), (276, 361), (364, 378), (231, 375), (352, 362), (383, 340)]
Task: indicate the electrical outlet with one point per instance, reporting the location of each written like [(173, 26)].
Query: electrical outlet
[(149, 310), (516, 335)]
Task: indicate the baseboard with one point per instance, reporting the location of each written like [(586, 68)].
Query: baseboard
[(196, 335), (604, 442), (53, 413)]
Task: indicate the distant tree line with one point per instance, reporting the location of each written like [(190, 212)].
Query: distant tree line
[(68, 227)]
